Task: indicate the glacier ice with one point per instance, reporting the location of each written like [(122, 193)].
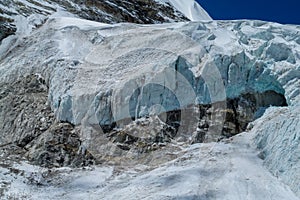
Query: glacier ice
[(95, 74), (84, 91), (278, 138)]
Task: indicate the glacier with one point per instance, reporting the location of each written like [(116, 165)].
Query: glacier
[(161, 54), (100, 81), (137, 99)]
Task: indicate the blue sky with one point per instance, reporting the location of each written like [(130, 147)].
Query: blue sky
[(285, 12)]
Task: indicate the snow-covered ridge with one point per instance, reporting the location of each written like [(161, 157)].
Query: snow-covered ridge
[(20, 17), (190, 8), (112, 11)]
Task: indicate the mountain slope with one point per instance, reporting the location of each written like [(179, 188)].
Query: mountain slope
[(190, 8), (109, 11), (220, 171), (204, 80), (128, 100)]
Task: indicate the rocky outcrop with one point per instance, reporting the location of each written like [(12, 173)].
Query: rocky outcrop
[(20, 101), (59, 146), (6, 28), (133, 11), (19, 14), (239, 112), (28, 123)]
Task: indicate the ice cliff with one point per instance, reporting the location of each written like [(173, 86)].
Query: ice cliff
[(76, 92)]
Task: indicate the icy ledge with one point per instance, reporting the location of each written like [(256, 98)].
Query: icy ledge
[(278, 138)]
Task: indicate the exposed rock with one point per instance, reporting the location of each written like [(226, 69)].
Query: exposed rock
[(59, 146), (75, 93), (238, 114), (28, 122), (112, 11), (133, 11), (147, 131), (19, 102), (6, 28)]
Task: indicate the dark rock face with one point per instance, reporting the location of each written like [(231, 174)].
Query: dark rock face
[(148, 134), (143, 135), (28, 127), (7, 28), (238, 114), (133, 11), (59, 146), (113, 11), (18, 102)]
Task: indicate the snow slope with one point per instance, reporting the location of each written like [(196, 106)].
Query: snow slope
[(112, 11), (279, 142), (190, 8), (216, 171)]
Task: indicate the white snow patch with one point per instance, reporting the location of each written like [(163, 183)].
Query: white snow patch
[(63, 22), (190, 8), (229, 170)]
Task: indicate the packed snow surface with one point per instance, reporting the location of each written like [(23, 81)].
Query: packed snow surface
[(190, 8), (227, 171)]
